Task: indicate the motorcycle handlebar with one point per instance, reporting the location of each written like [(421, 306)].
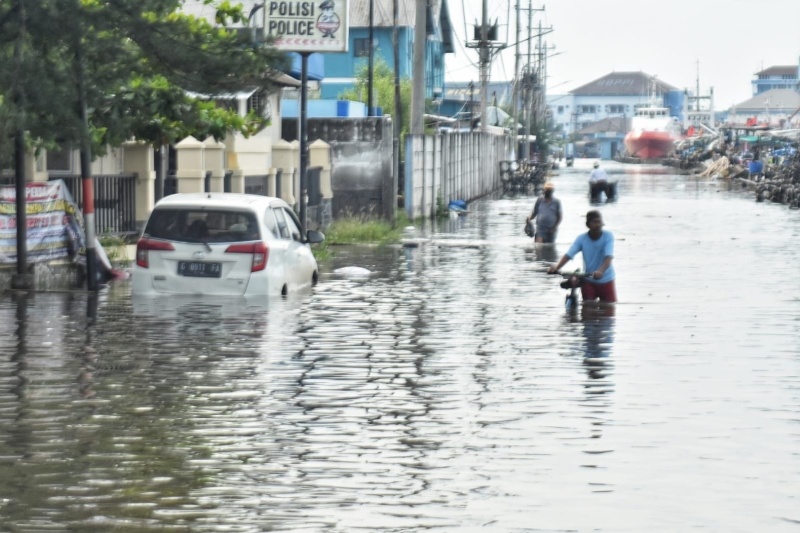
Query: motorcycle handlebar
[(578, 274)]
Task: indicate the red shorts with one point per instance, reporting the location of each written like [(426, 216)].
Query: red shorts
[(607, 292)]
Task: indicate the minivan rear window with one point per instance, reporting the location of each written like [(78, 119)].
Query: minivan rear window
[(195, 225)]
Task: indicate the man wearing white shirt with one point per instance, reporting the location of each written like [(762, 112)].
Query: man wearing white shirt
[(598, 175)]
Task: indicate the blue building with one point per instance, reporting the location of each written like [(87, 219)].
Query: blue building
[(341, 68), (776, 77)]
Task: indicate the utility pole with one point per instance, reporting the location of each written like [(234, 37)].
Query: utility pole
[(527, 78), (418, 87), (484, 62), (541, 76), (528, 83), (87, 182), (398, 111), (537, 82), (485, 43), (516, 87), (547, 55), (370, 72), (471, 106), (22, 279)]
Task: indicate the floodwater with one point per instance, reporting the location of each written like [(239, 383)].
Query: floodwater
[(448, 391)]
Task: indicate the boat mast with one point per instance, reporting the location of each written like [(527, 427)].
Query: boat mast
[(697, 102)]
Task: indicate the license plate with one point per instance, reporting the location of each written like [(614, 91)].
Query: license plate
[(197, 269)]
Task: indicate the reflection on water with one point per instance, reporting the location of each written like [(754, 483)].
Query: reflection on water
[(449, 390), (543, 253), (598, 333)]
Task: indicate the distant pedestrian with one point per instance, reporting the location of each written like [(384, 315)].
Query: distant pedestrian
[(547, 215), (598, 175)]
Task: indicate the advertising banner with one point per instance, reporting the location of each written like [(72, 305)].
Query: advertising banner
[(54, 223), (307, 26)]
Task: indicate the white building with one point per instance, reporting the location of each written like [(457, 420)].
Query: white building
[(614, 96)]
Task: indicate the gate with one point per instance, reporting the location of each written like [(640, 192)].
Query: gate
[(114, 201)]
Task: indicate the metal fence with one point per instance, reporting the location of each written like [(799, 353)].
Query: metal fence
[(114, 201), (314, 186)]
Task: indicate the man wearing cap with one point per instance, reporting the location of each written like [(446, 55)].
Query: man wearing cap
[(547, 213), (597, 247), (598, 183), (598, 175)]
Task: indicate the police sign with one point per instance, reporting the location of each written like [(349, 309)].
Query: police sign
[(307, 25)]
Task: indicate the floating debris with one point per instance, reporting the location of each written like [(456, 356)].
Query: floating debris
[(353, 272)]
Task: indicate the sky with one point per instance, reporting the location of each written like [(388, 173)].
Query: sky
[(723, 43)]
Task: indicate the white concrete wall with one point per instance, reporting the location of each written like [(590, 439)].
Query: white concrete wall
[(451, 166)]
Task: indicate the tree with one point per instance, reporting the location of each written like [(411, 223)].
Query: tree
[(138, 58), (383, 85)]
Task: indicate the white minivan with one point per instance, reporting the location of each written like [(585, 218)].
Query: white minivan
[(225, 244)]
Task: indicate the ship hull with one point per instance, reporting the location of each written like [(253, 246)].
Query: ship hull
[(649, 144)]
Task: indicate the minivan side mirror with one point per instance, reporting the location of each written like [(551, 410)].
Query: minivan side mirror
[(314, 237)]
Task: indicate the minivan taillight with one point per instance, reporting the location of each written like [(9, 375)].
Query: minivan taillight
[(144, 245), (258, 249)]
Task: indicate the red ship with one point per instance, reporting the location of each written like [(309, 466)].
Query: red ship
[(653, 133)]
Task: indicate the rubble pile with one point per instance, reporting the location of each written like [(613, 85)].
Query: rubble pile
[(781, 183)]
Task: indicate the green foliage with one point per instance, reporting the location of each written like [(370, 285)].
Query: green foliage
[(116, 248), (574, 137), (172, 115), (137, 59), (543, 138), (441, 209), (383, 89), (355, 230), (360, 230)]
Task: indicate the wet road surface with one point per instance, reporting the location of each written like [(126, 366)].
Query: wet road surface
[(447, 391)]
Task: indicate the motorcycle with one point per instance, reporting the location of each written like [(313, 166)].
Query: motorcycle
[(572, 282)]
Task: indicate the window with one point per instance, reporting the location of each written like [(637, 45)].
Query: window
[(283, 228), (616, 108), (259, 103), (293, 225), (361, 47), (586, 109), (228, 104), (288, 225), (200, 225), (560, 109), (272, 223)]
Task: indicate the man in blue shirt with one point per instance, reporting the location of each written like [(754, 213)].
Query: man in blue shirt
[(597, 247)]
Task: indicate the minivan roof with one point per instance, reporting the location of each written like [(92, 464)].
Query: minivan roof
[(220, 200)]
